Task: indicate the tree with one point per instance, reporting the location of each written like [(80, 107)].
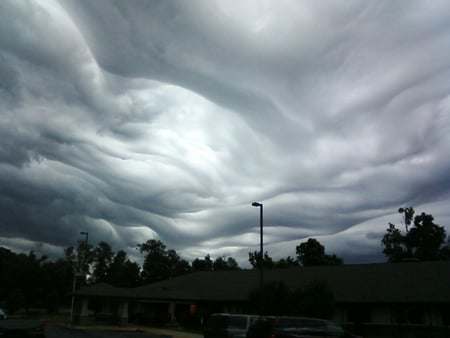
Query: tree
[(394, 244), (85, 256), (159, 263), (255, 260), (284, 263), (423, 240), (205, 264), (155, 266), (178, 266), (21, 273), (269, 263), (225, 264), (58, 279), (122, 272), (7, 278), (445, 251), (102, 259), (312, 253), (408, 214)]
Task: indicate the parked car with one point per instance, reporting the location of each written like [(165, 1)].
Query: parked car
[(225, 325), (295, 327), (20, 328)]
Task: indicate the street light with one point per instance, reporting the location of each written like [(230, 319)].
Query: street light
[(261, 257), (77, 273)]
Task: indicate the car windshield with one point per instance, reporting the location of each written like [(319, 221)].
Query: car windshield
[(301, 326)]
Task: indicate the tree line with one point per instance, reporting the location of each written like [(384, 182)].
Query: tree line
[(27, 280), (421, 239)]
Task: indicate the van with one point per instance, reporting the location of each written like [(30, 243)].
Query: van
[(294, 327), (225, 325)]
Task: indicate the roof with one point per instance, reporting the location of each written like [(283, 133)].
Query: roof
[(103, 290), (418, 282)]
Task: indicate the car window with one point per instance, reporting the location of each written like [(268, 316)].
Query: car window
[(216, 322), (237, 322), (261, 326), (335, 330), (312, 327), (287, 325)]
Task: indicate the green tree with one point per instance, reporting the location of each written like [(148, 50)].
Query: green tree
[(445, 251), (178, 266), (221, 263), (255, 260), (160, 263), (102, 259), (408, 215), (394, 244), (312, 253), (205, 264), (81, 257), (23, 272), (122, 272), (155, 266), (85, 257), (423, 240), (58, 279), (285, 263), (7, 278)]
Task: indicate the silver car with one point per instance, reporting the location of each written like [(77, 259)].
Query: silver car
[(226, 325)]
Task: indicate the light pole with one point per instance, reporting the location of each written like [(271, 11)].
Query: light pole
[(261, 257), (77, 273)]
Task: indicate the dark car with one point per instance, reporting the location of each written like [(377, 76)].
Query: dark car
[(22, 328), (295, 327), (225, 325)]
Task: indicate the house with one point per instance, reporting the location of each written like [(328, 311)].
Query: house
[(414, 293)]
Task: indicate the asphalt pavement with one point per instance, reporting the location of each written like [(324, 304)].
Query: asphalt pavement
[(66, 331)]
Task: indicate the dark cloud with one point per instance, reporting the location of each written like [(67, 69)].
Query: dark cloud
[(167, 119)]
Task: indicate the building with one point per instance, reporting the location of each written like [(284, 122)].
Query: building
[(373, 295)]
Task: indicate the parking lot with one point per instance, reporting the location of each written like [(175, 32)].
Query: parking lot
[(61, 331)]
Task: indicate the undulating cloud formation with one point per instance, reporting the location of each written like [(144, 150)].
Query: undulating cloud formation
[(134, 120)]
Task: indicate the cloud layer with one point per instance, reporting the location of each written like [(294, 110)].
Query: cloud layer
[(156, 119)]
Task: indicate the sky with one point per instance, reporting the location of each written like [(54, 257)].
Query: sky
[(138, 120)]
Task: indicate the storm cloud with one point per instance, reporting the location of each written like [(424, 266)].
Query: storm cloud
[(135, 120)]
